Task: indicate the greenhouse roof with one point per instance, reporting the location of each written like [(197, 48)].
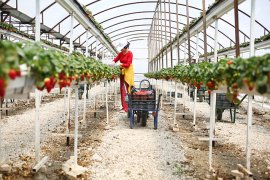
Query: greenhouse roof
[(114, 23)]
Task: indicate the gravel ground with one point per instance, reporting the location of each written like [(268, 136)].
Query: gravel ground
[(139, 153), (17, 132), (235, 133)]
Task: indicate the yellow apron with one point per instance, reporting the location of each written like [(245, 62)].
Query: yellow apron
[(128, 76)]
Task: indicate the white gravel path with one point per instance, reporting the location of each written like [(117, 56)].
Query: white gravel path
[(17, 132), (236, 133), (139, 153)]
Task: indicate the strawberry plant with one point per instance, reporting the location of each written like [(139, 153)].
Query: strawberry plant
[(9, 60), (235, 74), (49, 67)]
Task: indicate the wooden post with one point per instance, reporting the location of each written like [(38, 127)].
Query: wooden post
[(236, 21)]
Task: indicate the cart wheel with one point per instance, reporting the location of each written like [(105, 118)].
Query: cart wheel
[(80, 96), (139, 115), (219, 114), (131, 120), (128, 114), (144, 118), (156, 120)]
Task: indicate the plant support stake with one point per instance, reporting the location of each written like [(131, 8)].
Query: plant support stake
[(195, 90), (76, 128), (37, 92), (252, 53)]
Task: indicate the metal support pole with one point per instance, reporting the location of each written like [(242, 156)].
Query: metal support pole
[(84, 103), (204, 31), (165, 19), (249, 118), (175, 104), (115, 93), (162, 93), (216, 42), (95, 113), (71, 33), (65, 104), (96, 44), (170, 24), (170, 92), (188, 32), (212, 121), (107, 106), (37, 92), (185, 52), (184, 88), (76, 128), (87, 44), (195, 91), (68, 115), (178, 32)]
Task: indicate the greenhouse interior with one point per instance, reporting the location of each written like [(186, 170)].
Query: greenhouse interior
[(162, 90)]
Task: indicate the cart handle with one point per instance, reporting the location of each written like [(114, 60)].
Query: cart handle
[(145, 80)]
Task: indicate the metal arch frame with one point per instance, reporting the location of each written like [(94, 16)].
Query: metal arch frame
[(227, 22), (133, 40), (4, 3), (138, 12), (129, 27), (147, 33), (255, 20), (146, 30), (121, 5), (155, 38), (58, 24), (41, 12), (127, 4), (149, 2), (166, 20), (167, 39), (162, 31)]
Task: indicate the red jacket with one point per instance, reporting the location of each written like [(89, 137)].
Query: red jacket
[(125, 59)]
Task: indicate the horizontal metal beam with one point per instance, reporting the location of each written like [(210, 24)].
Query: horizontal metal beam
[(72, 6)]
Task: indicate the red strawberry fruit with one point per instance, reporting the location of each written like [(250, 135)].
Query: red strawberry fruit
[(47, 82), (18, 73), (229, 62), (82, 77), (12, 73)]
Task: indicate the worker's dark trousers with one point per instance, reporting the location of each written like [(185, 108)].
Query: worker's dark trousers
[(123, 92)]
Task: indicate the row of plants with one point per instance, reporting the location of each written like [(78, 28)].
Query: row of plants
[(236, 74), (11, 28), (49, 67)]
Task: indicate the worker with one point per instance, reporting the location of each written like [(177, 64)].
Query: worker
[(127, 73)]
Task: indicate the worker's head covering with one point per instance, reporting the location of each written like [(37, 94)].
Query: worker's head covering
[(126, 46)]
